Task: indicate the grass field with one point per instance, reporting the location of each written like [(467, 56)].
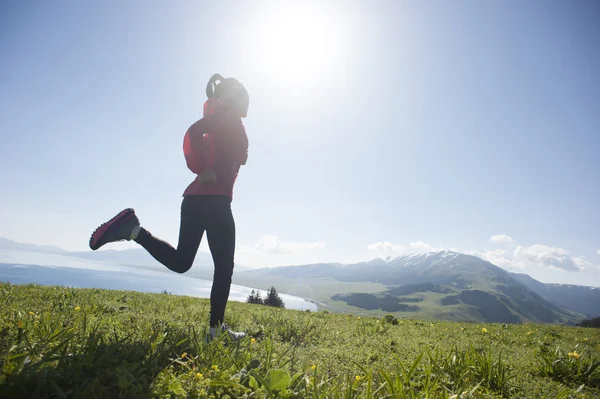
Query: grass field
[(92, 343)]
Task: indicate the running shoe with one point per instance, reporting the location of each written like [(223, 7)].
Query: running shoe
[(118, 228), (231, 335)]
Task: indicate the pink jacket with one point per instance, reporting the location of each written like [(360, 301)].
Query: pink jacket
[(217, 142)]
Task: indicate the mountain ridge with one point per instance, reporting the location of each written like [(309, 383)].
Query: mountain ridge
[(479, 289), (467, 277), (137, 257)]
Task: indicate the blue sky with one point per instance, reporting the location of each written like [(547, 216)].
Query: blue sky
[(376, 128)]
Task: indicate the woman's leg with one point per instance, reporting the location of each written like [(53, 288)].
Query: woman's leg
[(220, 231), (191, 229)]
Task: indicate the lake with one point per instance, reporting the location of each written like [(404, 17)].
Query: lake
[(24, 267)]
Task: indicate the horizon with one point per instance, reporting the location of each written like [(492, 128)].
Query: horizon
[(246, 268), (386, 128)]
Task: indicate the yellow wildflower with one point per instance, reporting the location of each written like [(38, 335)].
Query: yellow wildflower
[(585, 339), (574, 355), (484, 330), (253, 340), (31, 313), (77, 308), (313, 367), (357, 378), (198, 375), (183, 355), (529, 332), (214, 367)]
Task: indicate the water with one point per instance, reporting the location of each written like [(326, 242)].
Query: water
[(24, 267)]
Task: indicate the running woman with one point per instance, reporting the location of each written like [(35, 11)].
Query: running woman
[(214, 148)]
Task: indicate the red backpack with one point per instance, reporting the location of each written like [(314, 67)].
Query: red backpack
[(199, 150)]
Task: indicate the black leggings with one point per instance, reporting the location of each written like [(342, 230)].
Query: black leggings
[(199, 213)]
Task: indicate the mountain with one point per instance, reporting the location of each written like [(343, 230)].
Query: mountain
[(577, 298), (441, 285), (136, 257), (9, 244)]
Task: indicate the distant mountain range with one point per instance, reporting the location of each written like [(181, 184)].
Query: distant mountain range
[(438, 285), (449, 285), (9, 244), (577, 298), (136, 257)]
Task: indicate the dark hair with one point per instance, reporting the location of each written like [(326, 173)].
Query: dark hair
[(212, 83), (228, 90)]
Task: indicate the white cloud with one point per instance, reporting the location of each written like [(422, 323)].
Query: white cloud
[(584, 264), (537, 256), (271, 244), (420, 246), (413, 247), (513, 257), (501, 239), (385, 247), (504, 259), (598, 252), (546, 256)]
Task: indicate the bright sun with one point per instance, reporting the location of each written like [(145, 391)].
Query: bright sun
[(297, 43)]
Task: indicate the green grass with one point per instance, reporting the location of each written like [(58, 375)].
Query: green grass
[(92, 343)]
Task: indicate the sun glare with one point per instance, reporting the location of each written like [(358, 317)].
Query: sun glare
[(297, 43)]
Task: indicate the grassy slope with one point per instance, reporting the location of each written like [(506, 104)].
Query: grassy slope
[(96, 343), (322, 290)]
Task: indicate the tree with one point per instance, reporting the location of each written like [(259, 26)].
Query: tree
[(273, 299), (594, 323), (255, 298)]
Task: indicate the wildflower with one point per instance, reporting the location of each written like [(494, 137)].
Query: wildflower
[(77, 308), (198, 375), (462, 329), (313, 367), (214, 367), (358, 317), (31, 313), (585, 339), (357, 378), (574, 355), (253, 340), (484, 330), (183, 355)]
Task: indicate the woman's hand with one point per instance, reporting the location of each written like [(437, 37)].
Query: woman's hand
[(208, 176)]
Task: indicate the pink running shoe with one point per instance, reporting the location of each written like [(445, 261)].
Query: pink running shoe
[(118, 228)]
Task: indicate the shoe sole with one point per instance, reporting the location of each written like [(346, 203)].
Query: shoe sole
[(108, 227)]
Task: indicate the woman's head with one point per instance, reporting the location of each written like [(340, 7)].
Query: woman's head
[(229, 91)]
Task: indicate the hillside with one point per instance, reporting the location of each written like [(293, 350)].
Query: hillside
[(80, 343), (577, 298), (468, 289)]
